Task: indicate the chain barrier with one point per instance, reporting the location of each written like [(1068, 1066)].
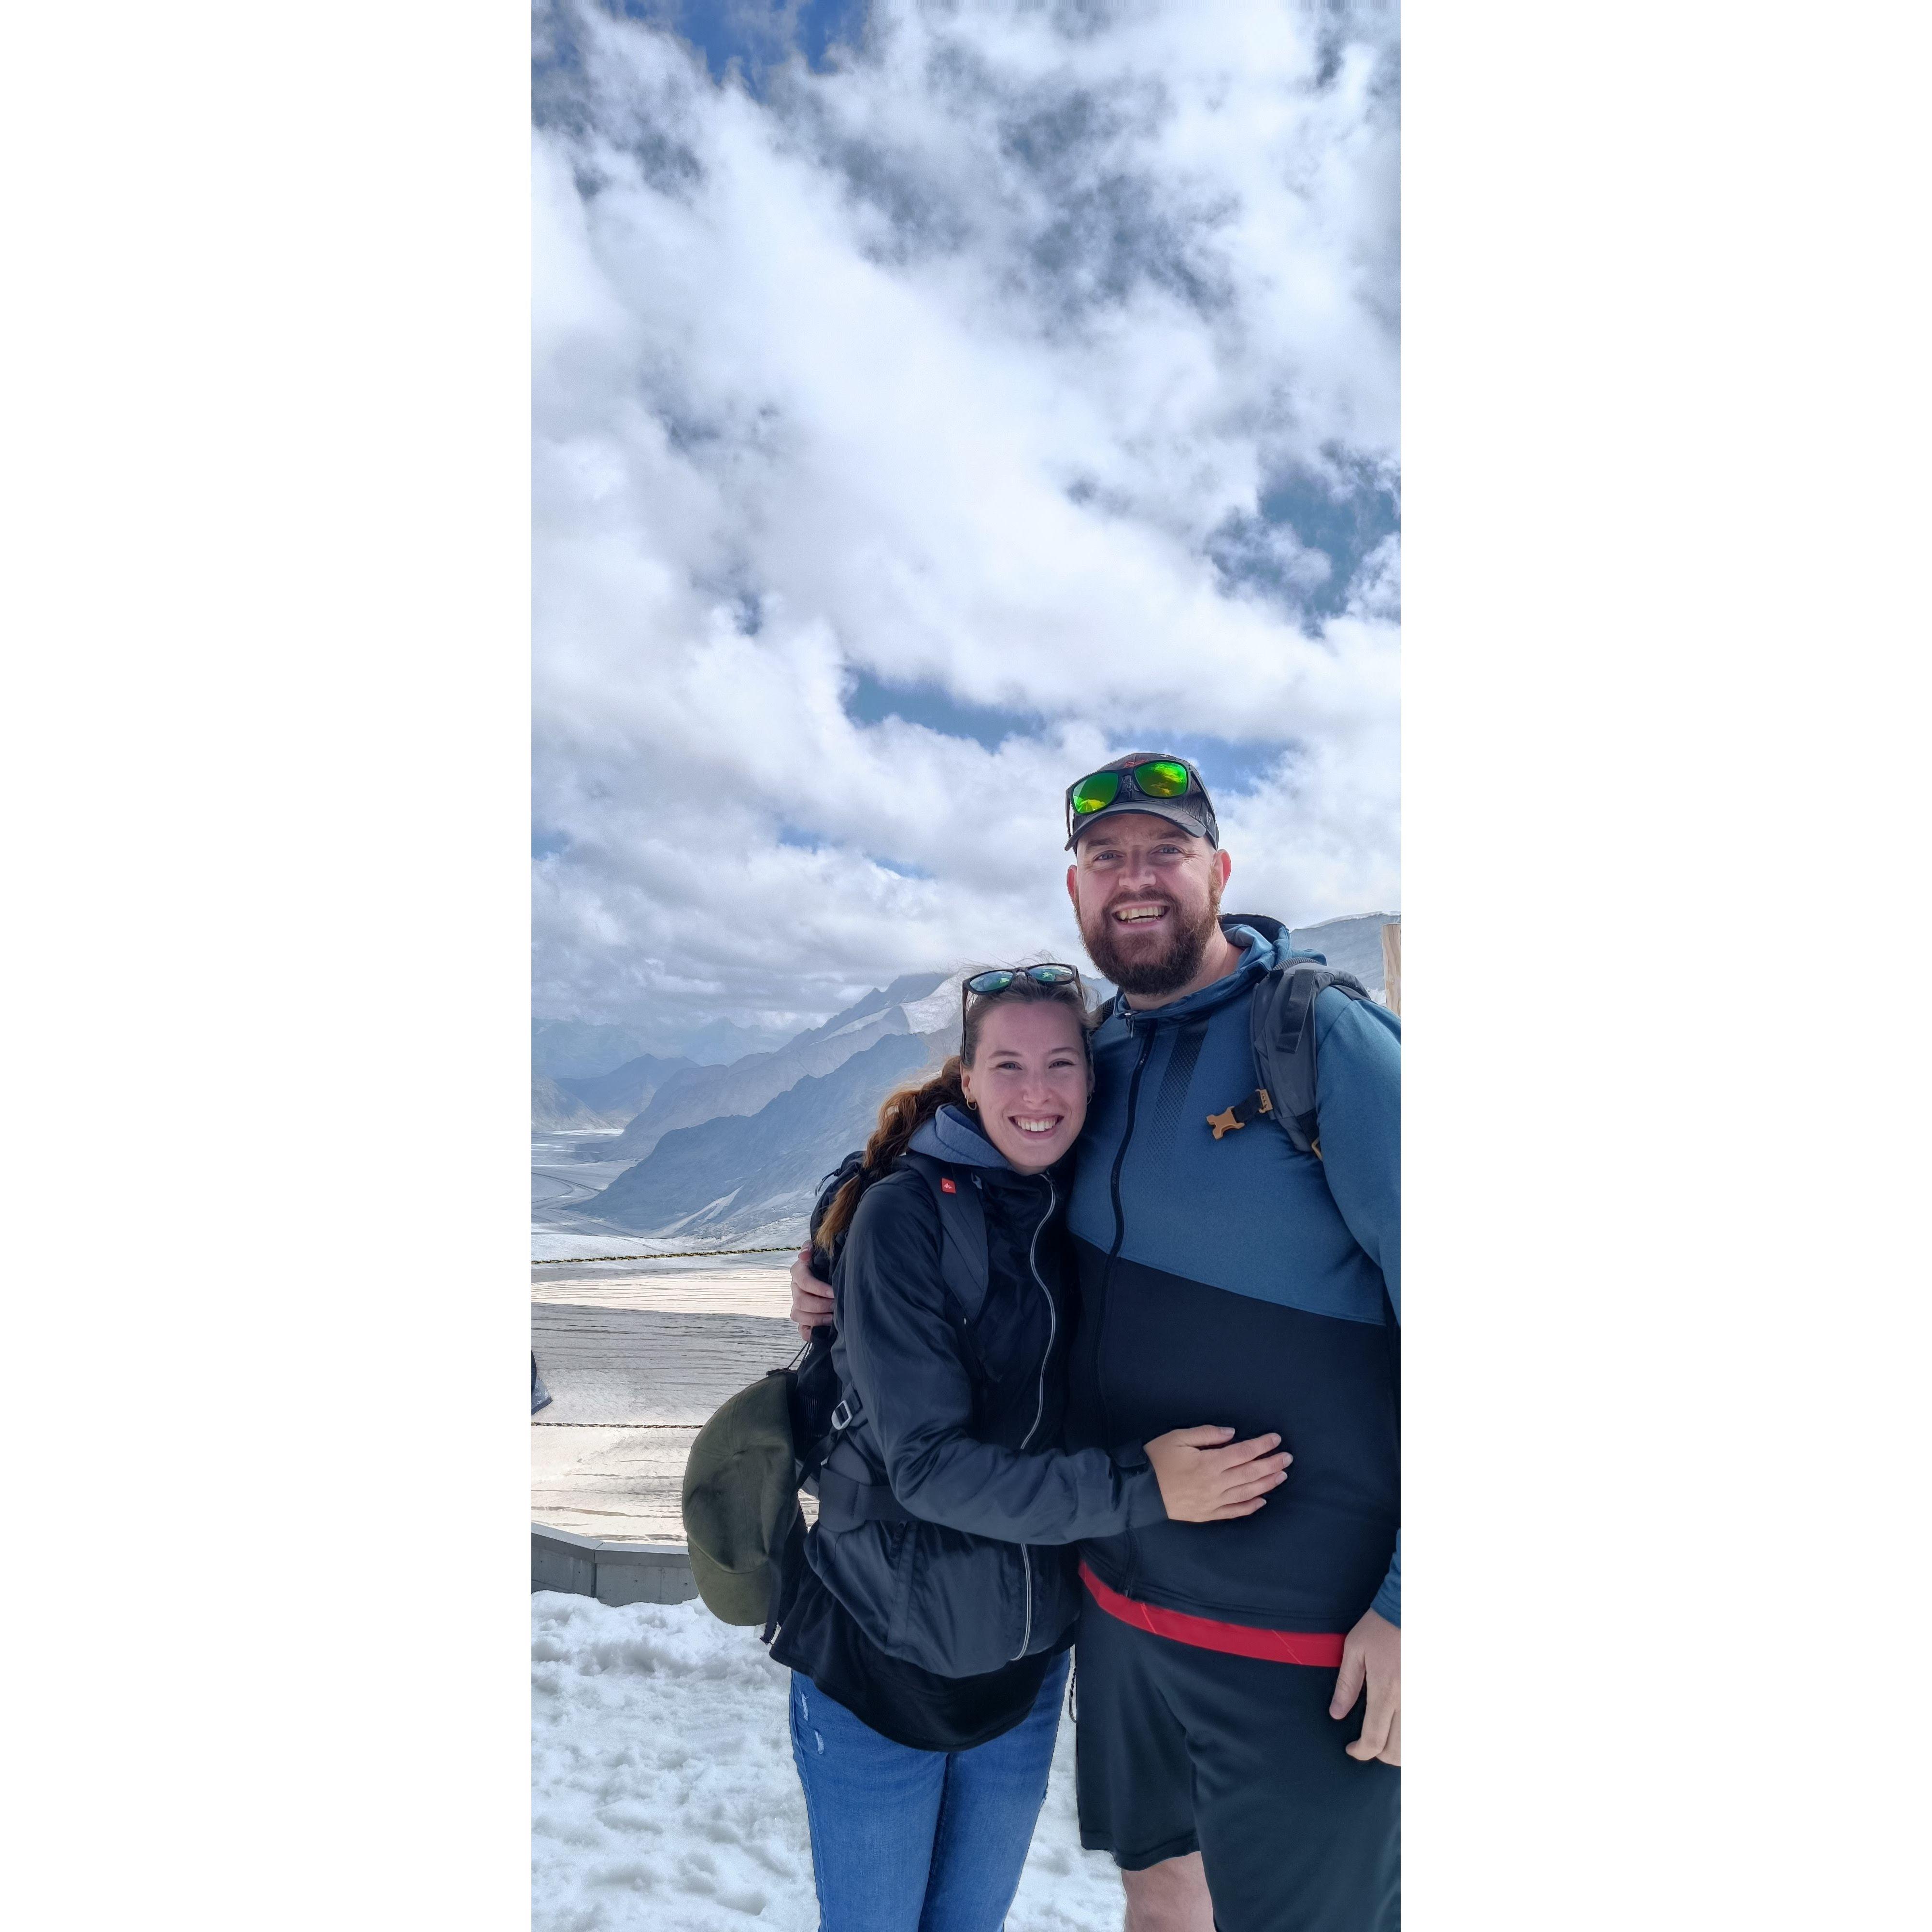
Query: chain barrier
[(674, 1255)]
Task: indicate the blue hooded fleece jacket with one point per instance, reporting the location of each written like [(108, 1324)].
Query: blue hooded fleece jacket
[(1237, 1282)]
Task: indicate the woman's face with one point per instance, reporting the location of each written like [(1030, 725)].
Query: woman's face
[(1028, 1079)]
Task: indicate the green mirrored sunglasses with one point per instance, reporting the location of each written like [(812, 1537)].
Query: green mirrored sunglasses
[(1158, 778)]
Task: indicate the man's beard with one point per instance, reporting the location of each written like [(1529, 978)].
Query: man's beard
[(1160, 974)]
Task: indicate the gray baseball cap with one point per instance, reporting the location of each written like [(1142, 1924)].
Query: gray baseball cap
[(1157, 791)]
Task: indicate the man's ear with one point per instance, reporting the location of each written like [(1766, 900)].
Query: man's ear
[(1073, 887), (1226, 864)]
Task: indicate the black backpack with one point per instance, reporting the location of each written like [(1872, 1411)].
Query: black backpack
[(1281, 1030)]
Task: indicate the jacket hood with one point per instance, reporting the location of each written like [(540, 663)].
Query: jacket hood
[(1260, 955), (953, 1135)]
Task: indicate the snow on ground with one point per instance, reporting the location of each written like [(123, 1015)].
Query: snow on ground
[(663, 1797)]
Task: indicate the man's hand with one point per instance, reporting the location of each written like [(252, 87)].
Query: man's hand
[(810, 1298), (1372, 1654), (1205, 1478)]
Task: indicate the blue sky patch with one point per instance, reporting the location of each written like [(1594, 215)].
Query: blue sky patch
[(1312, 529), (872, 701), (756, 35)]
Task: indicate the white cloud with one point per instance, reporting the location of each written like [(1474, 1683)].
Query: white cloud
[(945, 366)]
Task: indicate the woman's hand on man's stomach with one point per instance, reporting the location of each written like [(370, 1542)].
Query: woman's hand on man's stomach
[(1205, 1478)]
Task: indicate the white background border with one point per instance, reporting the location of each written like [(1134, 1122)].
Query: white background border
[(267, 773)]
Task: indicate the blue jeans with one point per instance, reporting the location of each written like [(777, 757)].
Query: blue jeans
[(905, 1841)]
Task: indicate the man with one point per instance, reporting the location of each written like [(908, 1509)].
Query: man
[(1220, 1667)]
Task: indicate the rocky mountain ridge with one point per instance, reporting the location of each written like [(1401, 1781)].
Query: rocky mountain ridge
[(621, 1095)]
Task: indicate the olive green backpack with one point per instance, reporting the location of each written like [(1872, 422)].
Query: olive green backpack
[(741, 1499)]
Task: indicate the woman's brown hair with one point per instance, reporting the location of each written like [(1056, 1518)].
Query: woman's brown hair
[(905, 1112)]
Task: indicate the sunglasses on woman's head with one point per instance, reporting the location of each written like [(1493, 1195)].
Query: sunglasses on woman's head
[(998, 979)]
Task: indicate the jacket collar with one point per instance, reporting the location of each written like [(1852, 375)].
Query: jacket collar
[(953, 1135)]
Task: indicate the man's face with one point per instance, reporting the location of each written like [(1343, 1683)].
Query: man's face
[(1146, 894)]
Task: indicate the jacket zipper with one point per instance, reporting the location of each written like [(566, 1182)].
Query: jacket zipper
[(1113, 1256), (1039, 1408)]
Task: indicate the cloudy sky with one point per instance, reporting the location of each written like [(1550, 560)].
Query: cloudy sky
[(933, 398)]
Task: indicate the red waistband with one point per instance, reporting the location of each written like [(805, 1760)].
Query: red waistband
[(1320, 1648)]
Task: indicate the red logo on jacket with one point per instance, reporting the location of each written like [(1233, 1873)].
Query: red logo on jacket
[(946, 1185)]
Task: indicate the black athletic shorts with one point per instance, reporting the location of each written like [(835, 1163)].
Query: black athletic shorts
[(1180, 1750)]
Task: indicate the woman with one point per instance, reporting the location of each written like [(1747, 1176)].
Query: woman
[(928, 1629)]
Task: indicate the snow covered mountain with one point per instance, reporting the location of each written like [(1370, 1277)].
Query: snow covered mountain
[(1352, 945), (753, 1176), (735, 1153), (748, 1083)]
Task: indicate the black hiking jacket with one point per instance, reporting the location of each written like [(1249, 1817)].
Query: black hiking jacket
[(962, 1418)]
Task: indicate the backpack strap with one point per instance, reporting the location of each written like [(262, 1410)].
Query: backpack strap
[(815, 1426), (1281, 1031), (963, 1265), (844, 1502)]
